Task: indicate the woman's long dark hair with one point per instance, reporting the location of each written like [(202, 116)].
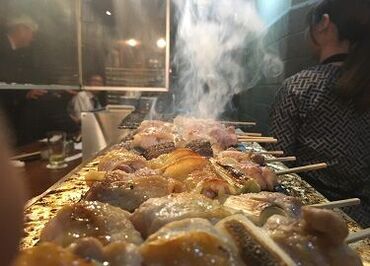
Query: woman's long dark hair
[(352, 18)]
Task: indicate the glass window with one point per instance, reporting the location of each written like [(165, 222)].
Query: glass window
[(124, 43), (38, 42)]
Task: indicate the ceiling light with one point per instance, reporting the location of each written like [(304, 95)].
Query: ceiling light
[(132, 42), (108, 13), (161, 43)]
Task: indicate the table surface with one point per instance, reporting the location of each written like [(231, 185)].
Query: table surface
[(37, 178)]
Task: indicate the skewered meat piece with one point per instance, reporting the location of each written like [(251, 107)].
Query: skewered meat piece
[(258, 207), (235, 178), (265, 177), (220, 137), (189, 242), (209, 184), (114, 254), (201, 146), (315, 239), (123, 160), (155, 124), (49, 254), (159, 149), (152, 136), (129, 191), (156, 212), (90, 219), (255, 246)]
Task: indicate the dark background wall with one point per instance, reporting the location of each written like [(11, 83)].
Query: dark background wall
[(286, 36)]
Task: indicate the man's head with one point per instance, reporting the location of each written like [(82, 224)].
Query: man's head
[(22, 31), (96, 80)]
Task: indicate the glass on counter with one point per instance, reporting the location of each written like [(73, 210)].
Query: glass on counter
[(56, 149)]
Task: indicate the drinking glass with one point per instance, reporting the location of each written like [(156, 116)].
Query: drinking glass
[(57, 149)]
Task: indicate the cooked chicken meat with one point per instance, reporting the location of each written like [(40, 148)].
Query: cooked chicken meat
[(152, 136), (189, 242), (114, 254), (129, 191), (255, 246), (121, 160), (258, 207), (208, 183), (48, 254), (264, 176), (90, 219), (315, 239), (156, 212)]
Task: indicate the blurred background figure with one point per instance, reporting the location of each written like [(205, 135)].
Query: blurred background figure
[(86, 101), (12, 201), (18, 34)]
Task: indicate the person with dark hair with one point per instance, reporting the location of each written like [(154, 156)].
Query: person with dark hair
[(322, 114)]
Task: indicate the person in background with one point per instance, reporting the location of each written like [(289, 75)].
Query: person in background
[(18, 35), (322, 114), (86, 101)]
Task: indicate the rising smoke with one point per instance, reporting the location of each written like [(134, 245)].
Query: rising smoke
[(219, 52)]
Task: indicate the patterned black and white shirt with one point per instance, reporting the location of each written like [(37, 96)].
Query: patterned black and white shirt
[(311, 122)]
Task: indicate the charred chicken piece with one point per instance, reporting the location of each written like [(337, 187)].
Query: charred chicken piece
[(189, 242), (152, 136), (254, 245), (315, 239), (258, 207), (158, 149), (129, 191), (156, 212), (201, 146), (115, 254), (90, 219)]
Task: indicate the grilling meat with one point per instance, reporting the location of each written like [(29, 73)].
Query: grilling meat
[(255, 246), (201, 146), (48, 254), (116, 254), (264, 176), (90, 219), (315, 239), (129, 191), (217, 134), (258, 207), (189, 242), (156, 212), (121, 160), (159, 149)]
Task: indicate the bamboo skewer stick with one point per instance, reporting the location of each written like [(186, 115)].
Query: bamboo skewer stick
[(258, 140), (337, 204), (276, 153), (238, 123), (306, 168), (251, 134), (281, 159), (358, 236)]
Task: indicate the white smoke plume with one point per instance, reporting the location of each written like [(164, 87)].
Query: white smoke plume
[(219, 52)]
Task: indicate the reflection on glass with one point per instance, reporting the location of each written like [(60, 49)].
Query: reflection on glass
[(38, 42), (124, 41)]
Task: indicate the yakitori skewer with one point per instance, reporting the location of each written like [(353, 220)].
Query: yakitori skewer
[(258, 139), (238, 123), (281, 159), (358, 236), (337, 204), (301, 169)]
